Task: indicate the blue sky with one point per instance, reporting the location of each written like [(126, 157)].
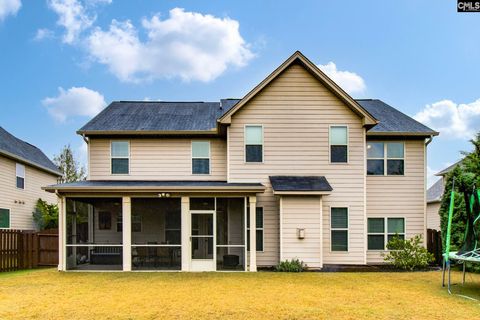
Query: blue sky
[(62, 61)]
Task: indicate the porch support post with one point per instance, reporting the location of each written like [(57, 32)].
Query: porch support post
[(61, 233), (185, 203), (253, 233), (127, 233)]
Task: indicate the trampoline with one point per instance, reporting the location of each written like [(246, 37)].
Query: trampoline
[(469, 250)]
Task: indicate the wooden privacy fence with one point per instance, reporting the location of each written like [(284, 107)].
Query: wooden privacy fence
[(26, 249), (434, 244)]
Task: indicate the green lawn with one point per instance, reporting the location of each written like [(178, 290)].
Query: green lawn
[(48, 294)]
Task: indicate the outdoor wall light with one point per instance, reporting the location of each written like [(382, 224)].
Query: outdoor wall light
[(300, 233), (164, 195)]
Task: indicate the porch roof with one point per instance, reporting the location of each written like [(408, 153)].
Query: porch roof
[(154, 186), (300, 185)]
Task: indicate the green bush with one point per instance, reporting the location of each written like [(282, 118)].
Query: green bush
[(408, 254), (293, 265), (45, 215)]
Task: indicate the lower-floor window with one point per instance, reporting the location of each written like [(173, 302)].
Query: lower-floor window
[(259, 230), (4, 218), (382, 230), (339, 229)]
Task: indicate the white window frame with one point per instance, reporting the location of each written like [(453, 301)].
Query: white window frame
[(340, 229), (386, 158), (385, 232), (330, 145), (245, 143), (17, 165), (209, 158), (256, 229), (112, 157), (9, 219)]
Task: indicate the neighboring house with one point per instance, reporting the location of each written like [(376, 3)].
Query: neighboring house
[(295, 169), (434, 199), (24, 170)]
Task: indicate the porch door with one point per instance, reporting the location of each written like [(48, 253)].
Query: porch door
[(202, 238)]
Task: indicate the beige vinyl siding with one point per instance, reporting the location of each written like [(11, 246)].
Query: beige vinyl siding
[(433, 218), (302, 212), (296, 111), (400, 196), (158, 159), (21, 214)]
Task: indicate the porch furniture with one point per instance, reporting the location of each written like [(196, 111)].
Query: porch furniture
[(106, 255), (231, 261)]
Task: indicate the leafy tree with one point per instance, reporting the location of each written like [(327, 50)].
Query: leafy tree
[(70, 168), (45, 215), (467, 177)]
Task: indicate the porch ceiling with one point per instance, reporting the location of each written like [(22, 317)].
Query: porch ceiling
[(154, 186)]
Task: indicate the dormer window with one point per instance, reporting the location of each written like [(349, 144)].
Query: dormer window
[(120, 157)]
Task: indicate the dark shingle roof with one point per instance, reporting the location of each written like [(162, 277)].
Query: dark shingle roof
[(300, 183), (391, 120), (448, 169), (151, 116), (435, 192), (154, 184), (23, 151), (159, 116)]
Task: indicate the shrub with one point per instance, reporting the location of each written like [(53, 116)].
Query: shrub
[(293, 265), (45, 215), (408, 254)]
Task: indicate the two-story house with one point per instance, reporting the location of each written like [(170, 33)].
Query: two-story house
[(295, 169), (24, 170)]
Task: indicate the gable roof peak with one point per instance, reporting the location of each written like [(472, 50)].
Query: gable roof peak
[(368, 119)]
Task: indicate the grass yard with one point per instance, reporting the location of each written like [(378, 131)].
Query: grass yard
[(48, 294)]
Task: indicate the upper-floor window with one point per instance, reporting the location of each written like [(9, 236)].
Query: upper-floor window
[(200, 157), (254, 143), (20, 174), (120, 157), (385, 158), (338, 144)]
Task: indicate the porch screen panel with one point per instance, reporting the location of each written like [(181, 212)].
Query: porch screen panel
[(92, 239), (156, 234), (230, 233)]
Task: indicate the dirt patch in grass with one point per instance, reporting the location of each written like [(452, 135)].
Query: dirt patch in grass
[(48, 294)]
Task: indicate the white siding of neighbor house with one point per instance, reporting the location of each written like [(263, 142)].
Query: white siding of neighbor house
[(157, 159), (21, 214), (296, 111), (304, 213), (433, 218), (400, 196)]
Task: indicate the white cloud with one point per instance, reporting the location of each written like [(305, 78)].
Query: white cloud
[(73, 16), (452, 120), (43, 34), (9, 7), (347, 80), (76, 101), (188, 45)]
